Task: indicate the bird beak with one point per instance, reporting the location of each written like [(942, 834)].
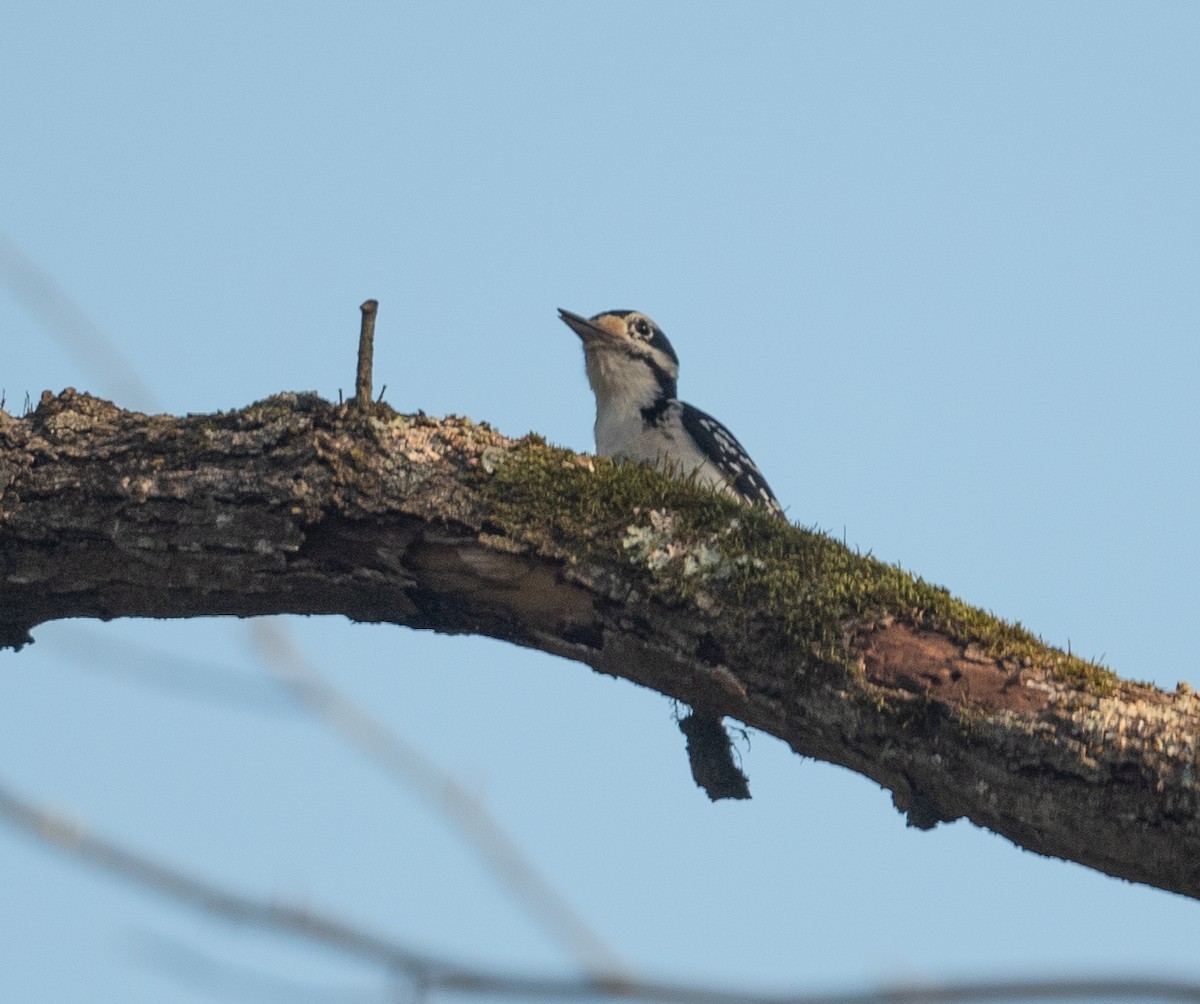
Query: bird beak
[(584, 328)]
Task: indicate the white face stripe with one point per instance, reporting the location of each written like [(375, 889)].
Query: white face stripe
[(640, 333), (628, 372)]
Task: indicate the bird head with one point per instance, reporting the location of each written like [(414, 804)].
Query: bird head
[(626, 354)]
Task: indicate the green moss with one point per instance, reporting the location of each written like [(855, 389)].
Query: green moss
[(773, 577)]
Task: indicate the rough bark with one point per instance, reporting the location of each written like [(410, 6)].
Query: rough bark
[(295, 505)]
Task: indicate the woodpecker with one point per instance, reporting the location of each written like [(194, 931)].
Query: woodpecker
[(633, 371)]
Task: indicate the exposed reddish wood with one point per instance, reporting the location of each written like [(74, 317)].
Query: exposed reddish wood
[(933, 667)]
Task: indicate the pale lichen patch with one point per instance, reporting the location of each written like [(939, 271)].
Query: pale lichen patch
[(661, 543)]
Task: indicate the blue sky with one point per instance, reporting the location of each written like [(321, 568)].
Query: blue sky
[(936, 265)]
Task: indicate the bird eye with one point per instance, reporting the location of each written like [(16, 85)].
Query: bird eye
[(642, 328)]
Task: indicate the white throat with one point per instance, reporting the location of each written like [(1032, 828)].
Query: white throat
[(623, 387)]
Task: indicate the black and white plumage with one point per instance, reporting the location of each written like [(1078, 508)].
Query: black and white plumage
[(633, 371)]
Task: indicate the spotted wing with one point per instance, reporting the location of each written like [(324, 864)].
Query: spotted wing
[(728, 456)]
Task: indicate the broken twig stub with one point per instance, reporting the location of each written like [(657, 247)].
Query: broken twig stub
[(366, 354)]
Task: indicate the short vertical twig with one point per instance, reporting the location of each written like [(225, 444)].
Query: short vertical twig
[(366, 355)]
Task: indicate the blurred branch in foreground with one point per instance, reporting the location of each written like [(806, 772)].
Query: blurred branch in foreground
[(442, 792), (230, 981), (159, 669), (305, 688), (70, 325), (430, 974)]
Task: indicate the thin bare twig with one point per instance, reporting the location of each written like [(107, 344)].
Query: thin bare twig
[(444, 793), (222, 978)]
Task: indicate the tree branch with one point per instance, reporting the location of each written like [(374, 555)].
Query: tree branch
[(294, 505)]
